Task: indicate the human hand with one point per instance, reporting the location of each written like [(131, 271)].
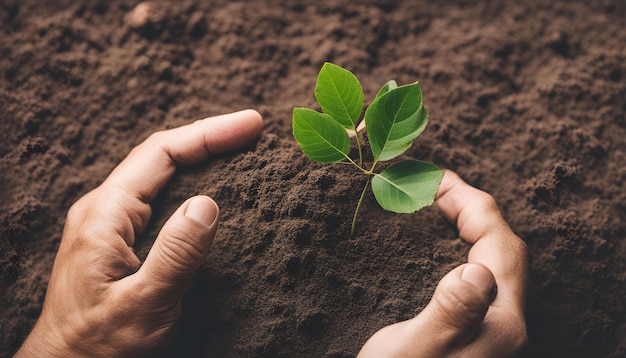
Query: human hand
[(461, 320), (101, 301)]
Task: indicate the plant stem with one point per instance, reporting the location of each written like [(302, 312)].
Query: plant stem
[(358, 205), (358, 145), (374, 165), (351, 162)]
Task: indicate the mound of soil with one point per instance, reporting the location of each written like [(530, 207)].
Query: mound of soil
[(527, 102)]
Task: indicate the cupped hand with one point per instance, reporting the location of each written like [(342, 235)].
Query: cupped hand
[(101, 301), (463, 319)]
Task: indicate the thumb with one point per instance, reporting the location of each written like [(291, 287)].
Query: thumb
[(448, 322), (180, 248), (458, 307)]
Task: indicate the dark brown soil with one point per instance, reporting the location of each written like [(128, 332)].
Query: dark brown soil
[(527, 102)]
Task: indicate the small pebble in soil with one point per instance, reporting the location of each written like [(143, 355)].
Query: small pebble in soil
[(140, 15)]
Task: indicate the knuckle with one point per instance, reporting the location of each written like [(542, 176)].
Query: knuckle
[(156, 138), (83, 209), (79, 209), (79, 229), (487, 203)]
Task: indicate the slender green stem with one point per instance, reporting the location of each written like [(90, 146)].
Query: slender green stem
[(358, 205), (351, 162), (358, 145), (374, 165)]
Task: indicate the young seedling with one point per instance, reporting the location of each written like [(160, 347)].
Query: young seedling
[(394, 119)]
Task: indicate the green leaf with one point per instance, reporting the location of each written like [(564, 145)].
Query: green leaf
[(391, 85), (407, 186), (394, 120), (340, 95), (319, 136)]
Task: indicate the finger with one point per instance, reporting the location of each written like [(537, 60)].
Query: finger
[(480, 222), (150, 165), (472, 210), (179, 250)]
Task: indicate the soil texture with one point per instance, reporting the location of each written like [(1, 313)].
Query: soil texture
[(527, 101)]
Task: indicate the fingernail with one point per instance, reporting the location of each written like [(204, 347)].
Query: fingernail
[(480, 276), (203, 210)]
